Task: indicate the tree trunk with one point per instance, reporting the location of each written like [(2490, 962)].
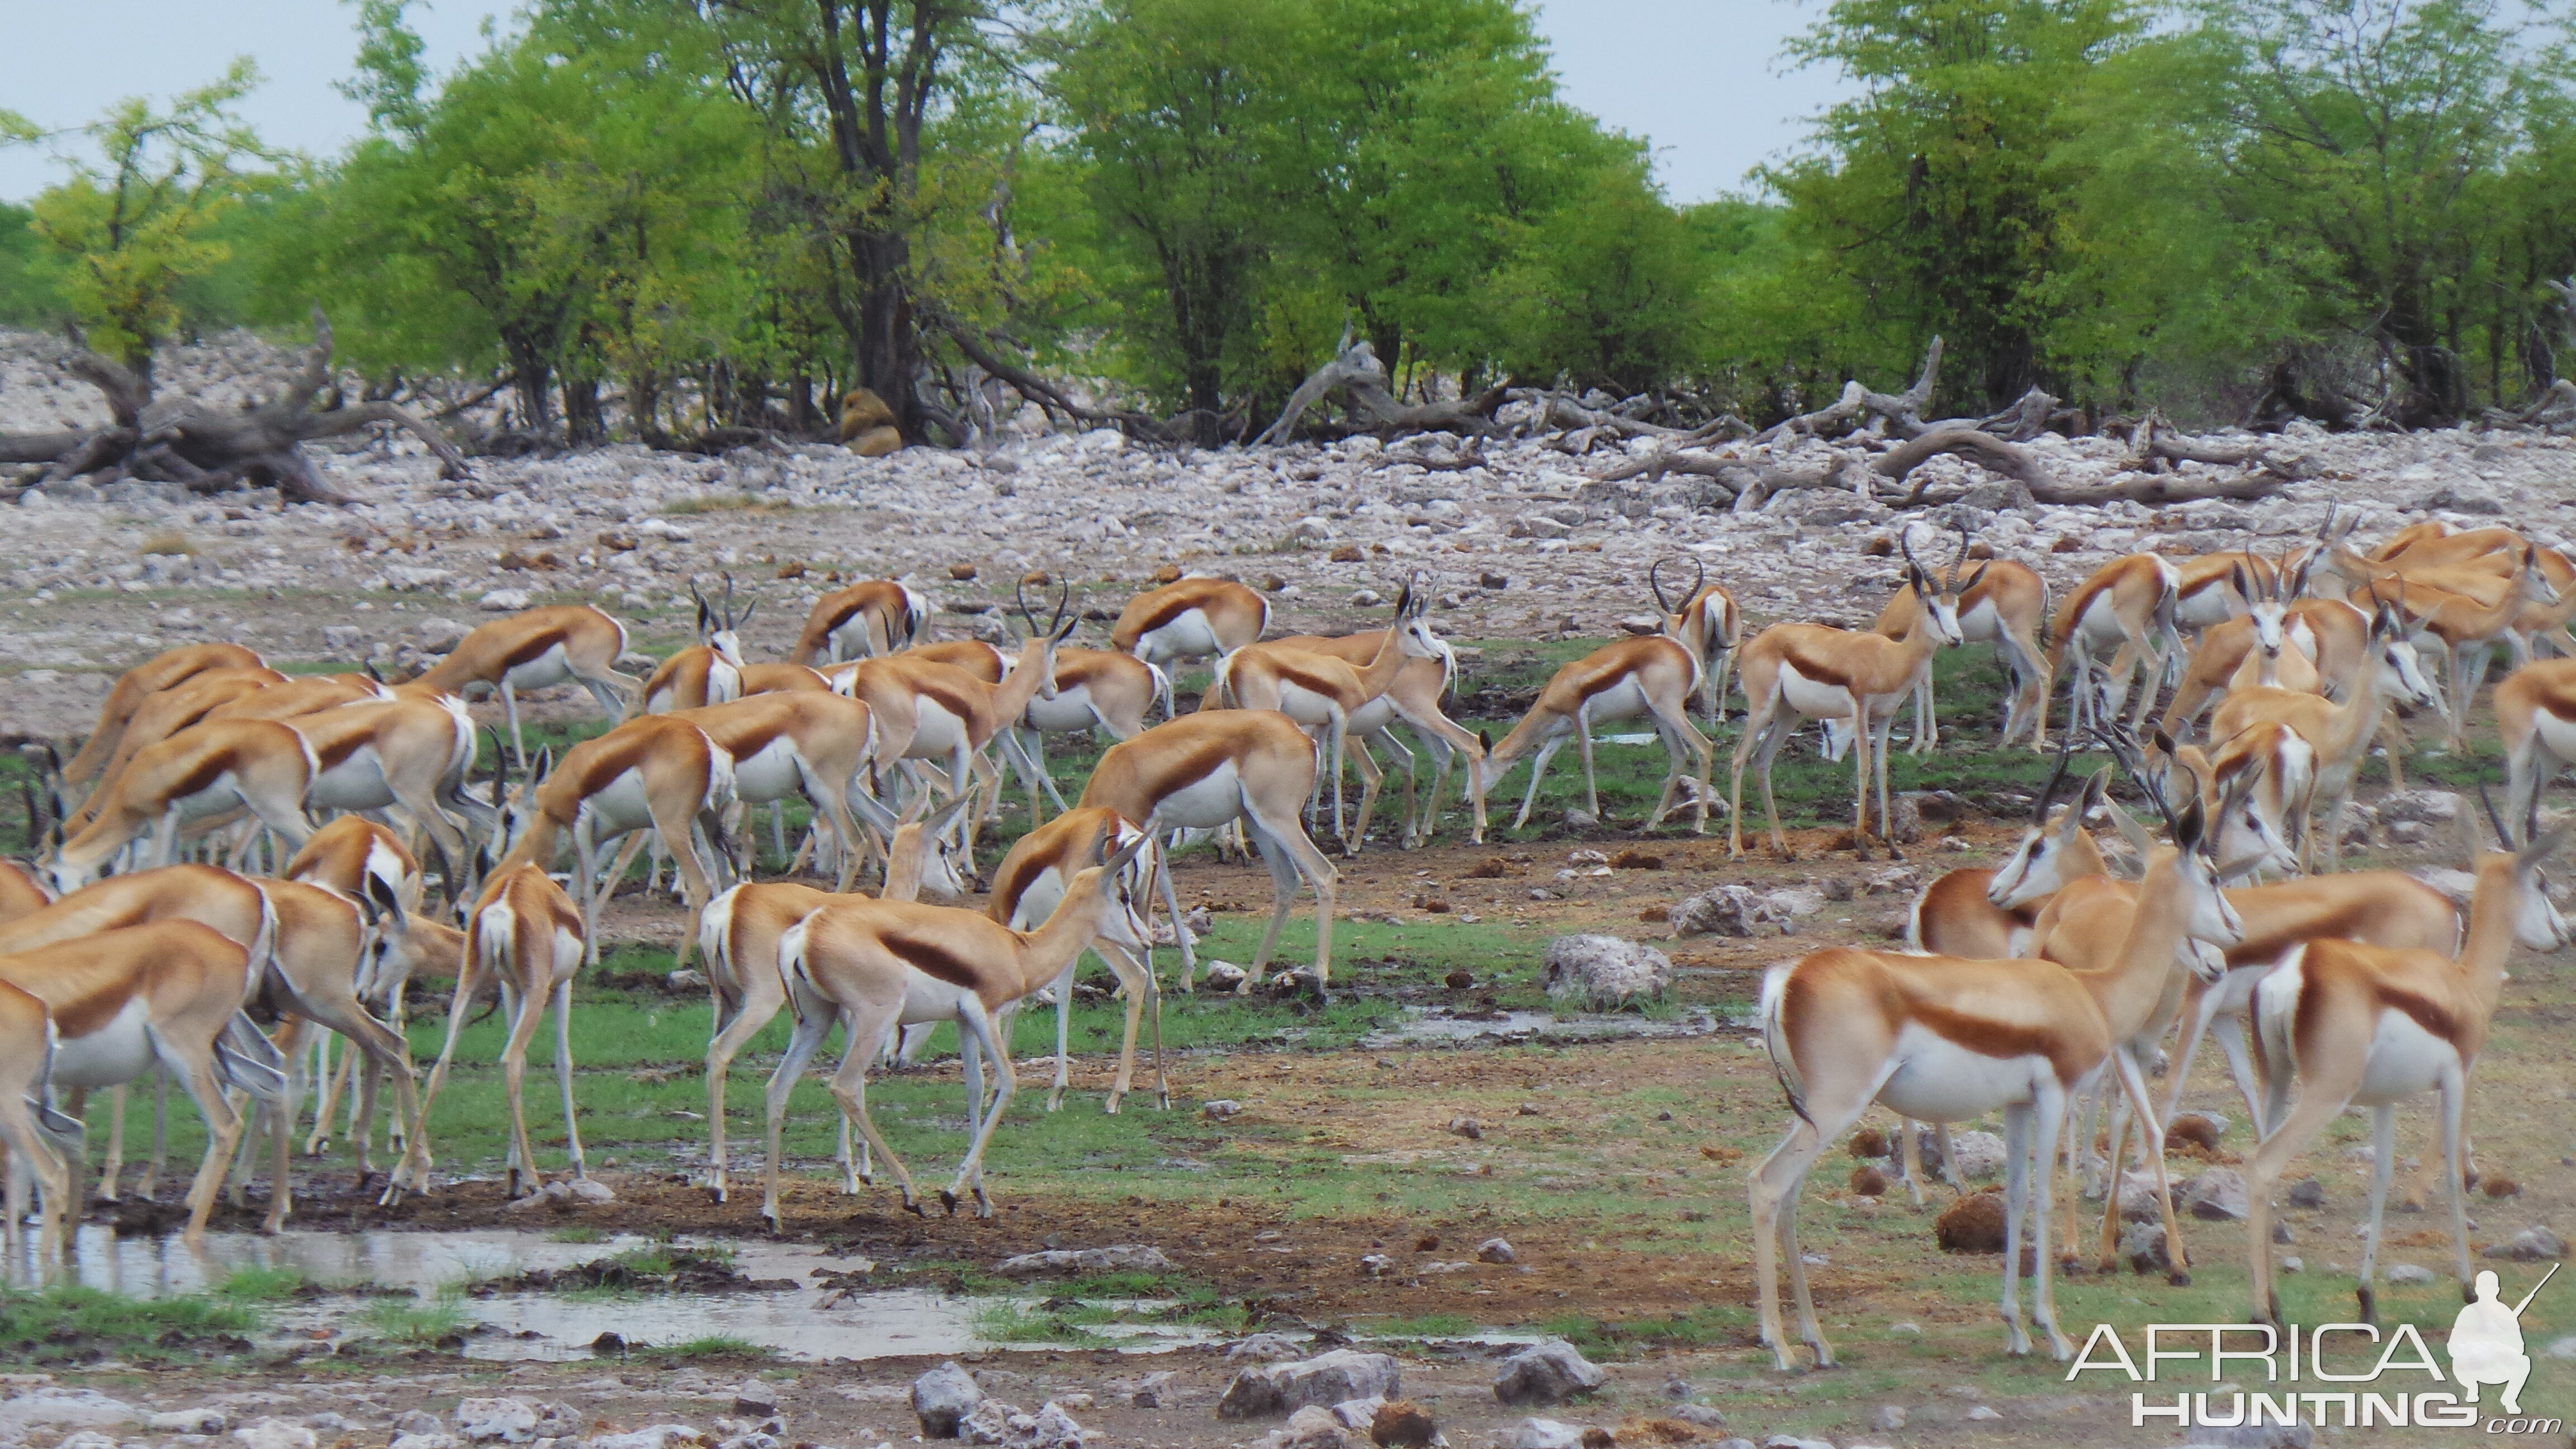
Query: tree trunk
[(583, 425)]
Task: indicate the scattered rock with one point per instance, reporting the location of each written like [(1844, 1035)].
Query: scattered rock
[(1401, 1424), (685, 980), (2409, 1274), (210, 1421), (1265, 1348), (1546, 1373), (1319, 1382), (268, 1433), (488, 1421), (988, 1422), (1972, 1224), (1149, 1394), (2142, 1247), (2307, 1192), (1888, 1418), (757, 1399), (1375, 1265), (1225, 976), (1467, 1127), (1983, 1414), (1727, 910), (53, 1406), (1605, 971), (942, 1397), (1220, 1109), (505, 601), (1704, 1416), (651, 1436), (419, 1421), (2532, 1245), (1495, 1250), (2217, 1194), (1540, 1434), (2191, 1130), (1312, 1427), (1121, 1258)]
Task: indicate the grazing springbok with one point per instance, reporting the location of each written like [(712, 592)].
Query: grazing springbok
[(1651, 676), (157, 675), (202, 772), (864, 621), (48, 1143), (535, 649), (1206, 771), (874, 965), (1414, 698), (1191, 619)]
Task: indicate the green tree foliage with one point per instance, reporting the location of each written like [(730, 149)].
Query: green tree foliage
[(138, 222)]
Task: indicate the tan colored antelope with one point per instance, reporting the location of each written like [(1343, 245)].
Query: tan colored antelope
[(412, 754), (707, 672), (1101, 692), (1797, 672), (798, 743), (168, 993), (2008, 608), (204, 771), (1322, 692), (874, 965), (658, 772), (535, 649), (358, 857), (526, 936), (2126, 602), (1414, 698), (157, 675), (1206, 771), (781, 679), (2535, 710), (1940, 1039), (1651, 676), (1030, 884), (46, 1141), (156, 719), (2338, 734), (1710, 624), (1191, 619), (738, 934), (864, 621), (2216, 587), (21, 894), (926, 710), (2323, 642), (2359, 1025)]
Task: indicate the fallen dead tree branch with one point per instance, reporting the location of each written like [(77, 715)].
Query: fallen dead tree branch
[(2012, 461), (1356, 373)]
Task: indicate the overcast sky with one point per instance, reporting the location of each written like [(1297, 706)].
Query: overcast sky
[(1700, 78)]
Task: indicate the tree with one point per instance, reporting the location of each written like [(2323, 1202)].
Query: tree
[(1937, 193), (1605, 288), (2365, 133), (134, 224)]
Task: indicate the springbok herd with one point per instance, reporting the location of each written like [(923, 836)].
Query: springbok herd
[(2020, 987)]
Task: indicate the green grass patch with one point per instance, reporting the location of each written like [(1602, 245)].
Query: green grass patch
[(74, 1319), (578, 1233), (711, 1346), (421, 1320), (1012, 1322), (1427, 1325), (260, 1285)]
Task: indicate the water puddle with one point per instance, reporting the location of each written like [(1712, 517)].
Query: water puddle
[(1438, 1024), (811, 1320)]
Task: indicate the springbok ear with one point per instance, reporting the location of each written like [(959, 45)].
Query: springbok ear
[(2097, 790), (2237, 870), (2131, 830), (2472, 843), (1116, 865), (2543, 848), (946, 815)]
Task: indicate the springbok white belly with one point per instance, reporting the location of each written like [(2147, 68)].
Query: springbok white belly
[(1313, 712), (1371, 717), (221, 795), (549, 668), (1938, 1080), (2215, 604), (1187, 635), (356, 783), (2405, 1061), (1068, 713), (2100, 624), (1204, 805), (936, 734), (2556, 735), (768, 773), (619, 807), (111, 1056), (1812, 698), (1981, 624), (1624, 700), (1038, 901)]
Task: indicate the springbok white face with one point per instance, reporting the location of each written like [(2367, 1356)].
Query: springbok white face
[(2537, 923), (2036, 868), (2265, 607), (2535, 585), (1044, 641), (1413, 632), (720, 629), (1123, 925)]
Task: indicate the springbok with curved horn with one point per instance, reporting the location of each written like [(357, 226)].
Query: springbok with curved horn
[(2359, 1025), (1708, 624), (1937, 1038), (1322, 692), (203, 771), (864, 621), (707, 672), (1414, 698), (155, 720), (1795, 672), (2127, 602)]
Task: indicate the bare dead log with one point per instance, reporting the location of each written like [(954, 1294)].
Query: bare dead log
[(208, 451), (1901, 412), (2028, 417), (1751, 492), (2554, 410), (1653, 466), (2010, 460), (1358, 375)]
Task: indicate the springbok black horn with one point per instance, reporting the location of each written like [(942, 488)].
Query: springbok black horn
[(1020, 603), (1655, 581), (2503, 836), (2057, 776)]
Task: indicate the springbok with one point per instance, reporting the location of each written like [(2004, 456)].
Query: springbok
[(864, 621), (1939, 1039), (1191, 619), (534, 649), (1206, 771), (1653, 676), (2127, 602), (1795, 672), (525, 935), (1414, 698), (203, 771), (707, 672), (874, 965), (157, 675), (2006, 607), (2363, 1025)]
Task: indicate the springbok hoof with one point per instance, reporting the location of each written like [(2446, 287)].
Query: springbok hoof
[(913, 1206), (948, 1200)]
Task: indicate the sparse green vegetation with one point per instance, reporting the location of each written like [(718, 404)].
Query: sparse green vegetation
[(52, 1321)]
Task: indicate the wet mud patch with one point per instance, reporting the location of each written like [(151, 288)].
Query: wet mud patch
[(658, 1269)]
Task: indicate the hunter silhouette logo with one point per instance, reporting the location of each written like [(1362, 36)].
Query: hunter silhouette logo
[(2486, 1342)]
